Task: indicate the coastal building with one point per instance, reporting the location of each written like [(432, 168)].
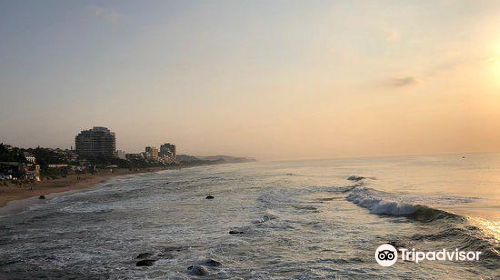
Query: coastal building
[(151, 152), (96, 142), (121, 154), (20, 171), (29, 157), (134, 157), (8, 147), (65, 155), (58, 165), (168, 152)]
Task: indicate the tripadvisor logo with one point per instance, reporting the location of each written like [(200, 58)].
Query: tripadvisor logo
[(387, 255)]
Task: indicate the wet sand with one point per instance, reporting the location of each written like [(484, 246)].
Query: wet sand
[(13, 192)]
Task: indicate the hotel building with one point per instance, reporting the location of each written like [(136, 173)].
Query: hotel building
[(95, 142)]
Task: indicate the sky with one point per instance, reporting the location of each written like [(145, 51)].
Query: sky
[(281, 79)]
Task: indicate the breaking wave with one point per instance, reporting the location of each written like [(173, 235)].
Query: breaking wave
[(384, 203), (451, 229)]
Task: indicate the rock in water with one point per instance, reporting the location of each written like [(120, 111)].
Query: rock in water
[(144, 255), (355, 178), (197, 270), (145, 263), (212, 262), (235, 232), (209, 197), (41, 197)]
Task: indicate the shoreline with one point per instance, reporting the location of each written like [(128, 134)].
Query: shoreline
[(14, 197)]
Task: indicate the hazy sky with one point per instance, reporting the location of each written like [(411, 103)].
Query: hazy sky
[(270, 79)]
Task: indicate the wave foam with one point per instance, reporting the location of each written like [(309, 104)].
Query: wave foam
[(383, 203), (380, 202)]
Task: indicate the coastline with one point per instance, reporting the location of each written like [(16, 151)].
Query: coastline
[(14, 193)]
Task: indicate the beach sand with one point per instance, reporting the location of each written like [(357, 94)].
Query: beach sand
[(13, 192)]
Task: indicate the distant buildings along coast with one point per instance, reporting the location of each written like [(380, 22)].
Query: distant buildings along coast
[(95, 149), (166, 154)]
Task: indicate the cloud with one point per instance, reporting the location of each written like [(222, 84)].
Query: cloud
[(404, 82), (104, 14)]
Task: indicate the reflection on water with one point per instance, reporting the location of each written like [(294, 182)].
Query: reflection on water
[(488, 227)]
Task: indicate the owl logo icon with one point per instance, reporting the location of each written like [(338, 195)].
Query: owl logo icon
[(386, 255)]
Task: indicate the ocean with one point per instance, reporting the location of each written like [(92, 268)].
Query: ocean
[(314, 219)]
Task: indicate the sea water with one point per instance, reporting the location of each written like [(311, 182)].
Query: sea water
[(318, 219)]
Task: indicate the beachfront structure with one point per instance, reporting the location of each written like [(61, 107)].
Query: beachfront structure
[(168, 152), (121, 154), (29, 157), (151, 152), (19, 170), (136, 157), (96, 142)]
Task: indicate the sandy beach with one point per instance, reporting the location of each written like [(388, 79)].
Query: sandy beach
[(11, 191)]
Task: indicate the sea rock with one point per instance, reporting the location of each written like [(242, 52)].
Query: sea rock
[(198, 270), (41, 197), (209, 197), (146, 262), (355, 178), (236, 232), (144, 255), (212, 263)]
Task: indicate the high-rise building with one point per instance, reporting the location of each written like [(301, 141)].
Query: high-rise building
[(168, 152), (95, 142), (152, 152)]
